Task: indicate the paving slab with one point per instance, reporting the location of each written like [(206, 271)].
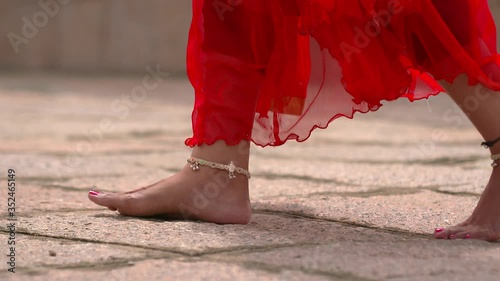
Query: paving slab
[(179, 270), (191, 238), (420, 212), (355, 202), (382, 175), (53, 167), (395, 260), (37, 254)]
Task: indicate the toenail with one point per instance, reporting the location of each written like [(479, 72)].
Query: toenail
[(438, 230), (94, 193), (453, 236), (467, 236)]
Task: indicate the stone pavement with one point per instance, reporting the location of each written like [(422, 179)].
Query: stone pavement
[(358, 201)]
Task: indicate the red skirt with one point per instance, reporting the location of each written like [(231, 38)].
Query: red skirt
[(269, 71)]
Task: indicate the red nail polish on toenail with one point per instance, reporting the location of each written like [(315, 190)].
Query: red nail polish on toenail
[(94, 193), (468, 236), (438, 230), (453, 236)]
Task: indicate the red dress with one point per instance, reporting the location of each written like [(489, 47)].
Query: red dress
[(269, 71)]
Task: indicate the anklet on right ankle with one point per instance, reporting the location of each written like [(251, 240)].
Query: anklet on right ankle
[(488, 144), (495, 159)]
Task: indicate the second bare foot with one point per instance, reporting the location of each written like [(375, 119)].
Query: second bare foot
[(484, 223)]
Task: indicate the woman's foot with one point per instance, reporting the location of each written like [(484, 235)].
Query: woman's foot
[(484, 223), (207, 195)]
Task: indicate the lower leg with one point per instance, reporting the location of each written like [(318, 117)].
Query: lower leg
[(226, 63), (481, 106), (207, 194)]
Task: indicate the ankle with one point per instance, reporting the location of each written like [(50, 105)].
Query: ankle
[(222, 153), (216, 184)]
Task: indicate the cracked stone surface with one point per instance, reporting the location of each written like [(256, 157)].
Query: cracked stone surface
[(265, 230), (357, 201), (181, 270), (419, 212), (429, 260), (39, 253)]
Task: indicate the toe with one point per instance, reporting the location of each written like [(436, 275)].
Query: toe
[(128, 204), (449, 233), (464, 235), (444, 233), (440, 233), (452, 232), (109, 200), (479, 233), (471, 230)]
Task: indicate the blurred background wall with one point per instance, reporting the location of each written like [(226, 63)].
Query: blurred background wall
[(95, 35), (98, 35)]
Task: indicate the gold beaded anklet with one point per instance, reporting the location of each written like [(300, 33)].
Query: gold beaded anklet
[(495, 159), (231, 168)]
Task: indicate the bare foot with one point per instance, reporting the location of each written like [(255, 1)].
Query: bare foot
[(207, 195), (484, 223)]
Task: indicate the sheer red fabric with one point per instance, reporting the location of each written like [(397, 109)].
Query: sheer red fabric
[(269, 71)]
